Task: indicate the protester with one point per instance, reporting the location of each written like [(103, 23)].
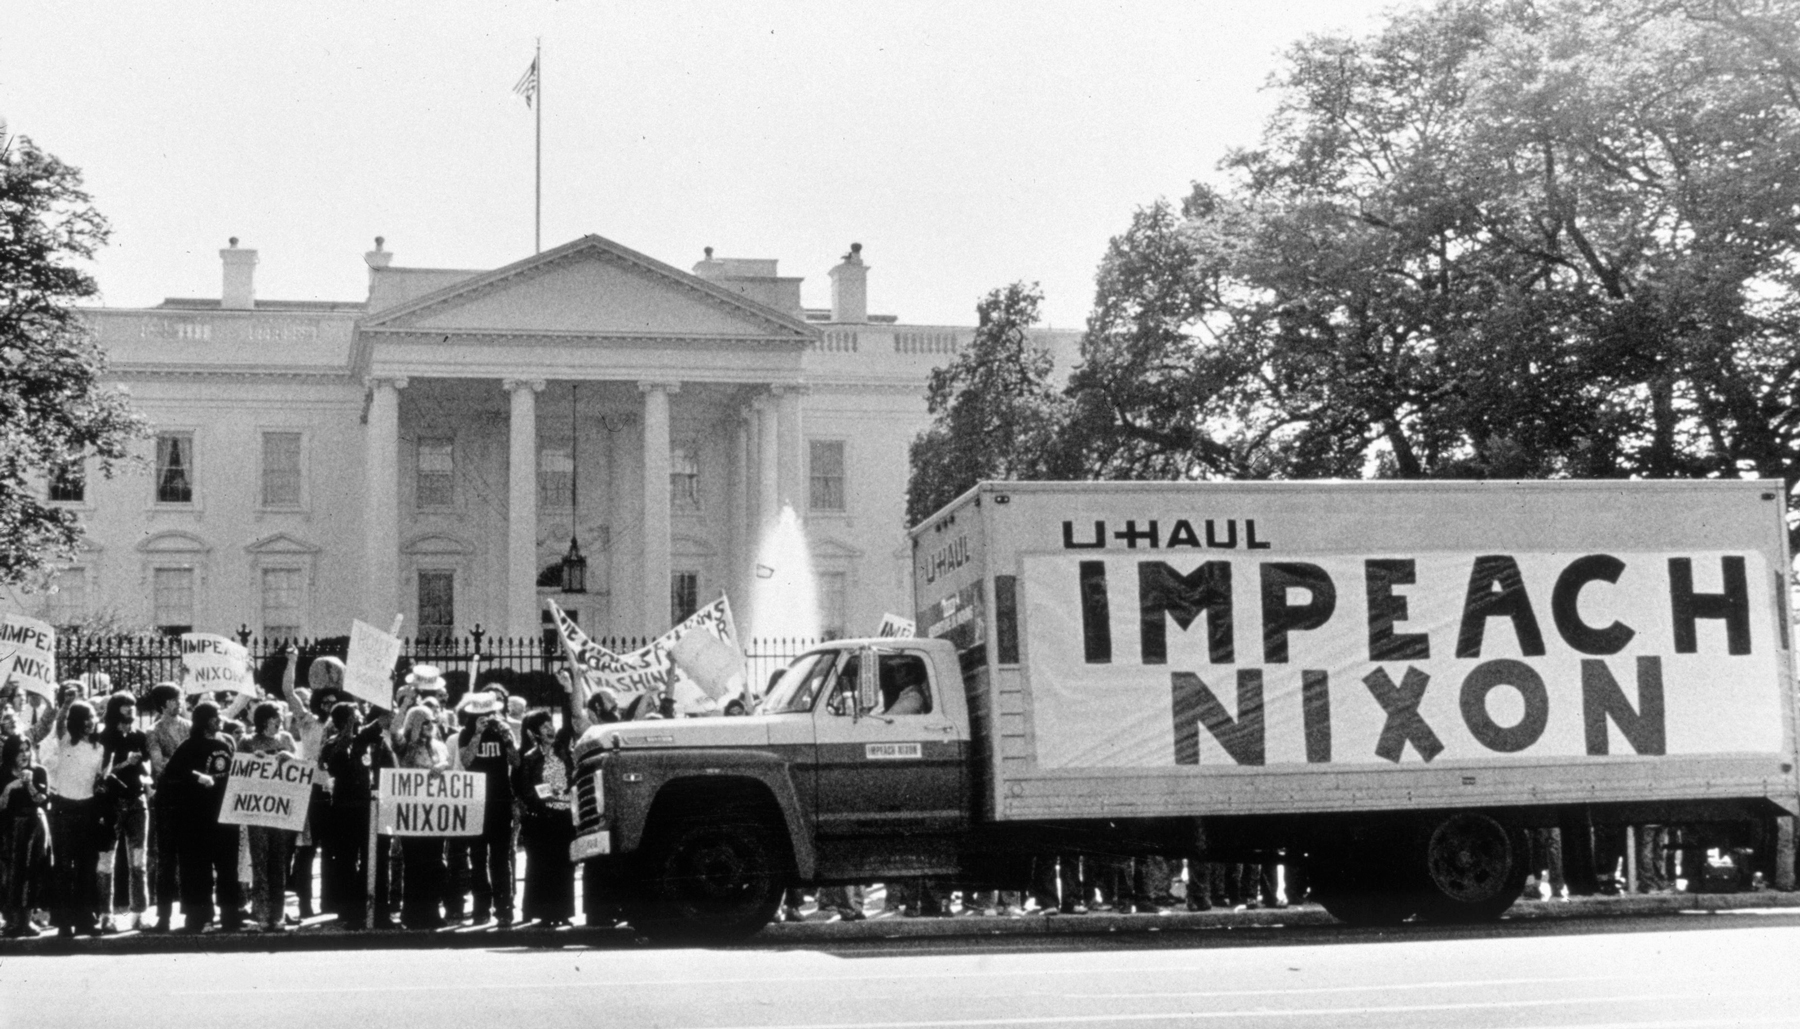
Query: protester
[(123, 807), (194, 782), (164, 739), (73, 760), (545, 830), (422, 857), (486, 748), (24, 835), (271, 849), (355, 758), (306, 711)]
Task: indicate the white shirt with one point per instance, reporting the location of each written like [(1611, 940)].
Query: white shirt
[(73, 768)]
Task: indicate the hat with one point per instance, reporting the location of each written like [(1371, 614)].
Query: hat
[(426, 679), (480, 702)]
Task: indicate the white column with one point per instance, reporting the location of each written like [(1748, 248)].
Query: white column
[(381, 499), (788, 439), (768, 450), (657, 530), (739, 540), (522, 509)]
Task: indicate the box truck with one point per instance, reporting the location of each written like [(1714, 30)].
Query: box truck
[(1388, 683)]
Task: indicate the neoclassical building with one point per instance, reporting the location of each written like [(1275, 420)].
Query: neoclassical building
[(433, 449)]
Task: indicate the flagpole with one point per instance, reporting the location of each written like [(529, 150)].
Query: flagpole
[(537, 228)]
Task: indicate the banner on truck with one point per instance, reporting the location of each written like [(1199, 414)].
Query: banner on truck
[(422, 802), (369, 664), (1140, 660), (268, 791), (215, 663), (28, 655)]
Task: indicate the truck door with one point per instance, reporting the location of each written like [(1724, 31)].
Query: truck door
[(896, 766)]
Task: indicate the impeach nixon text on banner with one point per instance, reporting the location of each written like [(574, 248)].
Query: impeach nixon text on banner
[(369, 666), (1159, 660), (28, 655), (215, 663), (419, 802), (268, 791)]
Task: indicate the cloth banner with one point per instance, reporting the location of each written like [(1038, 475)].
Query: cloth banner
[(698, 662), (422, 802), (215, 663), (28, 655), (369, 667), (268, 791), (895, 627)]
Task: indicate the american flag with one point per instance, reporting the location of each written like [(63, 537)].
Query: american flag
[(527, 86)]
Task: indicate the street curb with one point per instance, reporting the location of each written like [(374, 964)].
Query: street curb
[(325, 936)]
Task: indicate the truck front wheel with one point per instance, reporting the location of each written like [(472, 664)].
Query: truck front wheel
[(707, 880), (1474, 868)]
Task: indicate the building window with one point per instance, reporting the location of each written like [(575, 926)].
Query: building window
[(172, 599), (825, 468), (281, 469), (834, 598), (175, 468), (68, 484), (684, 479), (437, 603), (68, 598), (684, 596), (556, 475), (281, 603), (437, 473)]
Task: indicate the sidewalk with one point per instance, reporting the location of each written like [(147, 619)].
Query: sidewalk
[(323, 933)]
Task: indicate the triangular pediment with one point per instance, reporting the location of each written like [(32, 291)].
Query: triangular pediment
[(281, 543), (592, 287)]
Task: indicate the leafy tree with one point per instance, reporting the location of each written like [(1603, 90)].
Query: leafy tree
[(54, 413), (995, 412)]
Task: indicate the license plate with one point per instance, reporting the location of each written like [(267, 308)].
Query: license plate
[(592, 845)]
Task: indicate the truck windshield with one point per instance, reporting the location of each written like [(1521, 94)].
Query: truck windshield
[(799, 686)]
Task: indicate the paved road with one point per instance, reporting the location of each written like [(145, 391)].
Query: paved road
[(1660, 972)]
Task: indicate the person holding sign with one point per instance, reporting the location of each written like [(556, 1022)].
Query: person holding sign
[(74, 761), (194, 782), (486, 747), (421, 857), (271, 849)]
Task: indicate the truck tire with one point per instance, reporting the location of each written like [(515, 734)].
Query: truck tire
[(1475, 868), (704, 880), (1365, 888)]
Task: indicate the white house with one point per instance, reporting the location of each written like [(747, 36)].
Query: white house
[(433, 449)]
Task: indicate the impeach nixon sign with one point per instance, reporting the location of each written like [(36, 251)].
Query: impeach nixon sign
[(1142, 660), (420, 802), (268, 791)]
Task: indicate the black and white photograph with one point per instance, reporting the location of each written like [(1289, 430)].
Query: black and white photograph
[(913, 515)]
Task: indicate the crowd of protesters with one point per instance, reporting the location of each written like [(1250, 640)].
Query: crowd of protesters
[(107, 827)]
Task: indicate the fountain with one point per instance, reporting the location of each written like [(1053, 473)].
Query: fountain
[(784, 598)]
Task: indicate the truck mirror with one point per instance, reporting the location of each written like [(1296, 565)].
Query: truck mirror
[(868, 686)]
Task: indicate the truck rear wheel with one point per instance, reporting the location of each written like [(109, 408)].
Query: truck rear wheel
[(1474, 868), (707, 880)]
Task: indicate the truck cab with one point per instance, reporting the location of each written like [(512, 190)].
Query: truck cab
[(857, 765)]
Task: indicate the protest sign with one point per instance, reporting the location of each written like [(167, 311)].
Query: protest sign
[(268, 791), (895, 627), (215, 663), (369, 668), (28, 655), (698, 662), (422, 802)]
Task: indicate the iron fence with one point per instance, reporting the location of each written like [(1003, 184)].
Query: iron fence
[(526, 666)]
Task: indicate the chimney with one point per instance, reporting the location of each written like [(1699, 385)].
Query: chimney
[(709, 268), (240, 278), (850, 288), (377, 259)]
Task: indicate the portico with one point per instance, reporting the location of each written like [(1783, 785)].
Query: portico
[(587, 392)]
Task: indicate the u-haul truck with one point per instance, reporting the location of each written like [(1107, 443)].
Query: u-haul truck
[(1388, 682)]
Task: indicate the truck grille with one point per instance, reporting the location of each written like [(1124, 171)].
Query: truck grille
[(588, 802)]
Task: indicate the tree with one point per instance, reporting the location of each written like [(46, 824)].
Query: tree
[(54, 412), (994, 409)]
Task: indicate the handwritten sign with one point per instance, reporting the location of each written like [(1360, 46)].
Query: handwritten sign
[(268, 791), (420, 802), (369, 669), (895, 627), (215, 663), (28, 655)]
